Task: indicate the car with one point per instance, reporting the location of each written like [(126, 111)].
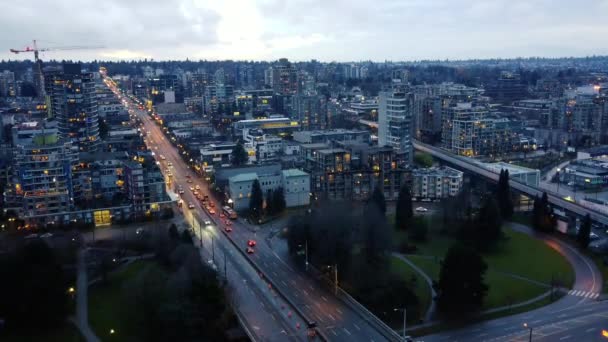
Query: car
[(228, 229), (251, 243), (207, 223), (422, 209), (222, 215), (212, 211), (189, 180), (228, 223), (191, 188), (190, 205), (139, 231), (211, 204), (195, 193), (249, 250), (170, 163), (197, 187), (162, 157)]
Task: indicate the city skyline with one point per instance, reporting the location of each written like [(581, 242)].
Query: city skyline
[(322, 30)]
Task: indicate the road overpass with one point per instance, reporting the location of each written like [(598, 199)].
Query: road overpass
[(467, 165)]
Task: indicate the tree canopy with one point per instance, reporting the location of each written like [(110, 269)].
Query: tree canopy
[(256, 202), (404, 209), (239, 155), (461, 287)]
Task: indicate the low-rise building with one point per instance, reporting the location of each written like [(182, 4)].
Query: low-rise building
[(436, 182), (518, 173), (294, 183)]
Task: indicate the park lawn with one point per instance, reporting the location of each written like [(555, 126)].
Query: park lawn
[(66, 333), (422, 290), (530, 258), (503, 289), (519, 254), (107, 309)]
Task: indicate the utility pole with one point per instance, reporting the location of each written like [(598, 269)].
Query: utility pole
[(306, 254), (225, 269), (404, 319), (212, 249), (336, 278)]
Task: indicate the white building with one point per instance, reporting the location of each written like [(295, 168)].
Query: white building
[(295, 184), (518, 173), (436, 182), (394, 122)]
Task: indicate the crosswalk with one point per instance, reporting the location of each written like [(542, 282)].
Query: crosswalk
[(585, 294)]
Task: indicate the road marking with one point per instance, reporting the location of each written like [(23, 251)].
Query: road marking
[(306, 293), (562, 315), (589, 330), (283, 281), (538, 320), (348, 332), (565, 337), (332, 317), (356, 326), (273, 318), (334, 332), (596, 295), (339, 311), (323, 297)]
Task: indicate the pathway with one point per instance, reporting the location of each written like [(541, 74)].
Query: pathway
[(82, 307)]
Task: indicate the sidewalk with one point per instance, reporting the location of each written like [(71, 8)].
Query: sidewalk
[(82, 307)]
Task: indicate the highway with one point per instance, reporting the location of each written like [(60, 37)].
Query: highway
[(335, 320), (554, 198)]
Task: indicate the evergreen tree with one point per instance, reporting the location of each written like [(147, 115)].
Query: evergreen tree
[(505, 202), (403, 211), (542, 215), (377, 198), (584, 232), (278, 200), (239, 155), (186, 237), (256, 201), (270, 209), (461, 287), (489, 224)]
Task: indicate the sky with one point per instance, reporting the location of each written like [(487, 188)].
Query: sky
[(326, 30)]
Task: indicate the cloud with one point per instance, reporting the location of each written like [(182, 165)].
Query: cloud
[(303, 29)]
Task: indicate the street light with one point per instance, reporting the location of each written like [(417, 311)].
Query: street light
[(528, 327), (404, 318)]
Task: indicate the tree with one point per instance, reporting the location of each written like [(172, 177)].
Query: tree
[(488, 228), (377, 198), (33, 290), (278, 200), (376, 233), (239, 155), (403, 210), (256, 202), (542, 215), (186, 237), (584, 232), (270, 209), (423, 159), (503, 195), (173, 233), (461, 287), (419, 229)]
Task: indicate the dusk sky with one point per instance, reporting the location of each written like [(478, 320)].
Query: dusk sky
[(327, 30)]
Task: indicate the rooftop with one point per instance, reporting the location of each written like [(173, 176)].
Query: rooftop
[(294, 173), (244, 177)]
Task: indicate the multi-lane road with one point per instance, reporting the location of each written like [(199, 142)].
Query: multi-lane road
[(335, 320)]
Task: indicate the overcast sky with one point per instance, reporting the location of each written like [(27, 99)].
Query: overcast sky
[(327, 30)]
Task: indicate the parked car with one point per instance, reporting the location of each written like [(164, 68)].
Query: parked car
[(422, 209)]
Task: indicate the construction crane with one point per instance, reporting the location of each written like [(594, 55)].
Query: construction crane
[(36, 50)]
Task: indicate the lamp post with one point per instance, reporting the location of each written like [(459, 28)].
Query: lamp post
[(528, 327), (404, 318)]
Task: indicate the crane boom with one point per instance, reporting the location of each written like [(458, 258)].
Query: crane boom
[(35, 49)]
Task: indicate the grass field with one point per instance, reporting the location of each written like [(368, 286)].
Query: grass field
[(519, 254), (422, 290), (107, 309)]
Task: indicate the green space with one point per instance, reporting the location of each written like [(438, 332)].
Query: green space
[(418, 284), (518, 253), (66, 333), (106, 304)]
